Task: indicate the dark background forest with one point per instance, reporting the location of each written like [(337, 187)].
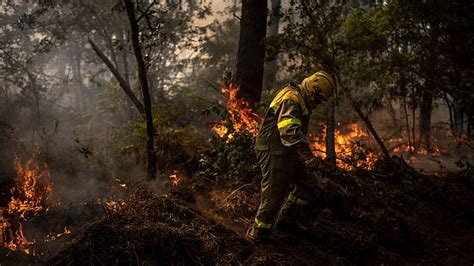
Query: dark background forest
[(126, 129)]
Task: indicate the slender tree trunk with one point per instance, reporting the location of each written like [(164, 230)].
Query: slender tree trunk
[(82, 90), (76, 91), (413, 121), (330, 128), (271, 68), (142, 75), (450, 110), (407, 123), (426, 108), (251, 53), (126, 73), (458, 118)]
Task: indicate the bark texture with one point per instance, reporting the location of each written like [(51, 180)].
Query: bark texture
[(271, 68), (251, 53), (426, 108), (142, 72), (330, 128)]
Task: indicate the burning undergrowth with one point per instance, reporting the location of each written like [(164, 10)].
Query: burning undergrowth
[(30, 197), (35, 215), (239, 118), (153, 228), (201, 216)]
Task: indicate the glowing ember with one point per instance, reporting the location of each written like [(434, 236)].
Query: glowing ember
[(403, 148), (32, 189), (174, 179), (241, 116), (54, 236), (110, 204), (347, 146)]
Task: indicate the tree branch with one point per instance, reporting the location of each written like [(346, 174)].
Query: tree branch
[(119, 78), (146, 11), (367, 122)]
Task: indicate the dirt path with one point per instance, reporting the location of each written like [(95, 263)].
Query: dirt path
[(210, 211)]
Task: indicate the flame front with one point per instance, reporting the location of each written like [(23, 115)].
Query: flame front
[(348, 143), (32, 189), (241, 116), (347, 147), (29, 198)]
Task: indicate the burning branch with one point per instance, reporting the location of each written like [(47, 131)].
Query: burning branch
[(241, 116)]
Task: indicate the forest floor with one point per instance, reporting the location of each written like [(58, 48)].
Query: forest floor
[(354, 218)]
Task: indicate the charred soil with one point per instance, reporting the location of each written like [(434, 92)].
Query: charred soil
[(354, 218)]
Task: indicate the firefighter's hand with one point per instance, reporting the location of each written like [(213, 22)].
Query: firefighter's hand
[(311, 164)]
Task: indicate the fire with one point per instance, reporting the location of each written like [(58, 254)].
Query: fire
[(241, 116), (19, 242), (4, 225), (110, 204), (347, 146), (54, 236), (32, 189), (14, 240), (174, 179), (29, 198)]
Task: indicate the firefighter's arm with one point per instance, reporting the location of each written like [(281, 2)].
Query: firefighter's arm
[(291, 134)]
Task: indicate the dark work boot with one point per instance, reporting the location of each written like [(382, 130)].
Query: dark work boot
[(258, 235)]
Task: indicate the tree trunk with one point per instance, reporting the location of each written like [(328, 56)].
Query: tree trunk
[(426, 108), (330, 128), (251, 53), (271, 68), (407, 123), (458, 117), (80, 86), (142, 75), (413, 120)]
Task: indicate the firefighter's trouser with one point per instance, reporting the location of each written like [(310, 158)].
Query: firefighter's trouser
[(279, 172)]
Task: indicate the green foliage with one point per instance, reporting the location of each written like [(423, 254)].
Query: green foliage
[(230, 159)]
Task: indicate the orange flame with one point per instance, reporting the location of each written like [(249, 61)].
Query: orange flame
[(111, 205), (19, 242), (346, 147), (29, 197), (32, 189), (241, 116), (174, 179), (54, 236)]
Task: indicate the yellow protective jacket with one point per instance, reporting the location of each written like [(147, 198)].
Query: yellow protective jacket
[(286, 123)]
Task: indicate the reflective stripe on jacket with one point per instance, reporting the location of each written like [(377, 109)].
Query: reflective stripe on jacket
[(285, 124)]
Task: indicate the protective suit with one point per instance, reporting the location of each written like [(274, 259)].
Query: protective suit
[(284, 154)]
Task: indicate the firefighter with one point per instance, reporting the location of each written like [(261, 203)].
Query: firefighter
[(285, 157)]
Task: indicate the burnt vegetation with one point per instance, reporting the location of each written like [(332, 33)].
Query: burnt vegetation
[(127, 131)]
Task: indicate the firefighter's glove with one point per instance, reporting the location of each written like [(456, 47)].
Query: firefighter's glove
[(311, 164), (304, 151)]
